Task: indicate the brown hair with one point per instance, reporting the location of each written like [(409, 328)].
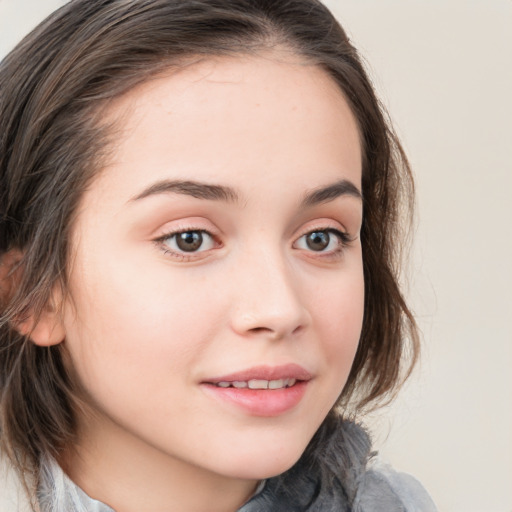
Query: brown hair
[(52, 144)]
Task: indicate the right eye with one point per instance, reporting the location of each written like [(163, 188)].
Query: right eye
[(186, 242)]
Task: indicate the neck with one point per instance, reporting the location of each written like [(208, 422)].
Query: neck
[(112, 466)]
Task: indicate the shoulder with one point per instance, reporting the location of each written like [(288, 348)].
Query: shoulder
[(13, 496)]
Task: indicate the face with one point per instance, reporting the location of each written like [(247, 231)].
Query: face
[(216, 286)]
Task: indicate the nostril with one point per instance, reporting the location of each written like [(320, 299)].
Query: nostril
[(298, 329), (268, 330), (257, 330)]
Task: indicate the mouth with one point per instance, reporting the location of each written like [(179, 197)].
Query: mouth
[(257, 384), (263, 377), (261, 391)]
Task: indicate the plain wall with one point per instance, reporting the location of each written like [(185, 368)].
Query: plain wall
[(444, 69)]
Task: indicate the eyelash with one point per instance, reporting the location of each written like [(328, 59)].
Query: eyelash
[(343, 238)]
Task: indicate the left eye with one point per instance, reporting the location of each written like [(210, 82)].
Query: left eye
[(189, 241), (322, 240)]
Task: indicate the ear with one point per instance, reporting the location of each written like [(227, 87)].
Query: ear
[(45, 329)]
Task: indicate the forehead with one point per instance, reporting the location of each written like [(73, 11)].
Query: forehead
[(234, 118)]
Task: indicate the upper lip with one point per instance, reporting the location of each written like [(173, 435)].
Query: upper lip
[(264, 372)]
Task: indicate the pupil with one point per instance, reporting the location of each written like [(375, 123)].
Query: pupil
[(318, 240), (189, 241)]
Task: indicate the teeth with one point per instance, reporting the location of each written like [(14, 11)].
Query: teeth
[(276, 384), (258, 384)]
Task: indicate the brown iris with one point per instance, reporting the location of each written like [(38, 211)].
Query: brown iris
[(189, 241), (318, 240)]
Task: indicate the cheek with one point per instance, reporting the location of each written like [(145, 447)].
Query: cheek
[(137, 328), (338, 318)]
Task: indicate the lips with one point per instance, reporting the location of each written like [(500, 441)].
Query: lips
[(265, 373), (261, 390)]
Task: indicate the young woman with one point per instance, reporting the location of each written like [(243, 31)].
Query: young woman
[(200, 216)]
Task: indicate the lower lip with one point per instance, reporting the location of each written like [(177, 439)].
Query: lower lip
[(261, 402)]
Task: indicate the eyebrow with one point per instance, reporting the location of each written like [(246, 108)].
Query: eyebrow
[(212, 192), (331, 192), (190, 188)]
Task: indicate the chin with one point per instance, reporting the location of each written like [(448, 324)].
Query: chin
[(264, 462)]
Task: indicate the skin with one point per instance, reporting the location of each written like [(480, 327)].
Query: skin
[(145, 324)]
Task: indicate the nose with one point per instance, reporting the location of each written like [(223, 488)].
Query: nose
[(268, 301)]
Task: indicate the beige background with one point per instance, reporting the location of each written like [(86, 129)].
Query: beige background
[(444, 68)]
